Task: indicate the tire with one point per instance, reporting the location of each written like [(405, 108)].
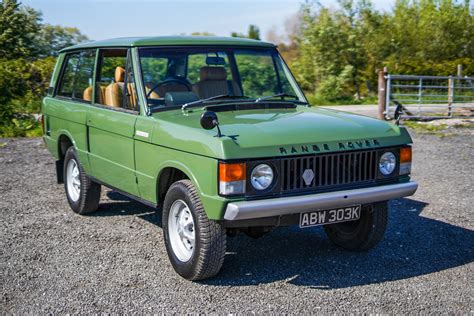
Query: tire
[(183, 218), (363, 234), (82, 193)]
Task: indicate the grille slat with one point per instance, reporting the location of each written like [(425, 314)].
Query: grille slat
[(329, 169)]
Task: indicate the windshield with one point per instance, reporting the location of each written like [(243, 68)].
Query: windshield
[(173, 77)]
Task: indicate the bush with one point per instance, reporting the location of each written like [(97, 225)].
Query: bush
[(23, 85), (334, 88)]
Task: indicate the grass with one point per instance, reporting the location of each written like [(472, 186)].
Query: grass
[(424, 127), (441, 130), (466, 125)]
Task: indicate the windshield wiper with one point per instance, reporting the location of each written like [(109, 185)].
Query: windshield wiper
[(216, 97), (278, 95)]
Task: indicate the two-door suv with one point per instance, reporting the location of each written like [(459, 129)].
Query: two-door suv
[(217, 134)]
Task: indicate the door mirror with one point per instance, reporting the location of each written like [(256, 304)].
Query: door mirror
[(209, 120), (398, 112)]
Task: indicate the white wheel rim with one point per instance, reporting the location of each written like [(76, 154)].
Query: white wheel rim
[(181, 230), (73, 180)]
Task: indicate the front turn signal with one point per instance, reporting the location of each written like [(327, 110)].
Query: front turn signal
[(405, 160), (232, 178), (405, 154)]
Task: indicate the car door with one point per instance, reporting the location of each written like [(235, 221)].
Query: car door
[(111, 122)]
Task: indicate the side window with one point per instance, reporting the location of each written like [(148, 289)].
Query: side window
[(111, 78), (76, 80)]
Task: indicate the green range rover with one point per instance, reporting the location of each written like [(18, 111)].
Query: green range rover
[(216, 133)]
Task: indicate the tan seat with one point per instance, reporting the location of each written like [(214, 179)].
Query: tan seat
[(132, 95), (213, 82), (87, 94), (114, 91)]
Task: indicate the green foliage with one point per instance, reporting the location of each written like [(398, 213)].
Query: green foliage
[(258, 75), (252, 33), (333, 88), (426, 37), (25, 65), (202, 34), (235, 34), (52, 38), (18, 29)]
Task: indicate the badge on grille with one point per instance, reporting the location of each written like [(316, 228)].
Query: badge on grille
[(308, 176)]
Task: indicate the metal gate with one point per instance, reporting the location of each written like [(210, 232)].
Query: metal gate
[(430, 96)]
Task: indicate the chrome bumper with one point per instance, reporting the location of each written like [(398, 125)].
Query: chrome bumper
[(297, 204)]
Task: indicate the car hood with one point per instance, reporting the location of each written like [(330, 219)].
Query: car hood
[(275, 132)]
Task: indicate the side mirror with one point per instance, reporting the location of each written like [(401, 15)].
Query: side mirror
[(209, 120), (398, 112)]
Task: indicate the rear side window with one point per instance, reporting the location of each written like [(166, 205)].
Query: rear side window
[(76, 80)]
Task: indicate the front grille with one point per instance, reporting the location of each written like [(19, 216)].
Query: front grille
[(329, 170)]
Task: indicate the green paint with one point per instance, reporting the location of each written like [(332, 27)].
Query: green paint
[(131, 150)]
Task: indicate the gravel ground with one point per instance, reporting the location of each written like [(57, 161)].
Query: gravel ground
[(54, 261)]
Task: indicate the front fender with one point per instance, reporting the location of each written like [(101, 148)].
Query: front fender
[(151, 160)]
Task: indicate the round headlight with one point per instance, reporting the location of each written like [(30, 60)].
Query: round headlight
[(387, 163), (261, 177)]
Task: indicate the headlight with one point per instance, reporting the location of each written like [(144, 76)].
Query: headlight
[(387, 163), (261, 177)]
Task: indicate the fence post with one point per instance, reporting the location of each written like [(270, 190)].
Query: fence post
[(450, 94), (382, 90), (459, 70), (420, 95)]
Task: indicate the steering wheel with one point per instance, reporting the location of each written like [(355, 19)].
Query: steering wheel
[(168, 82)]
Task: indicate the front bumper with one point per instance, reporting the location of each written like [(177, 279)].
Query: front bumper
[(297, 204)]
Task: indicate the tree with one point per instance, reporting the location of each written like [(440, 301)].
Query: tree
[(202, 34), (253, 32), (26, 64), (18, 29), (52, 38), (235, 34), (342, 49)]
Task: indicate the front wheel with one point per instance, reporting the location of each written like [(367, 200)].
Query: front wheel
[(195, 245), (363, 234)]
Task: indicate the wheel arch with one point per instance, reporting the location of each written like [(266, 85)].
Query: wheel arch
[(170, 172), (65, 140)]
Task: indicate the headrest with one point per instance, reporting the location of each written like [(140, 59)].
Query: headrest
[(119, 74), (213, 73)]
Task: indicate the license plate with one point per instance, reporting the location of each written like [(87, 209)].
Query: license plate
[(324, 217)]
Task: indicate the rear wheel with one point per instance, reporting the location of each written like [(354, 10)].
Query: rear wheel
[(363, 234), (82, 193), (195, 245)]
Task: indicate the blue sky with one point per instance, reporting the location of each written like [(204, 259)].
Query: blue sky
[(101, 19)]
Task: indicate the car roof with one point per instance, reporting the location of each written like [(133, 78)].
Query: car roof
[(171, 41)]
